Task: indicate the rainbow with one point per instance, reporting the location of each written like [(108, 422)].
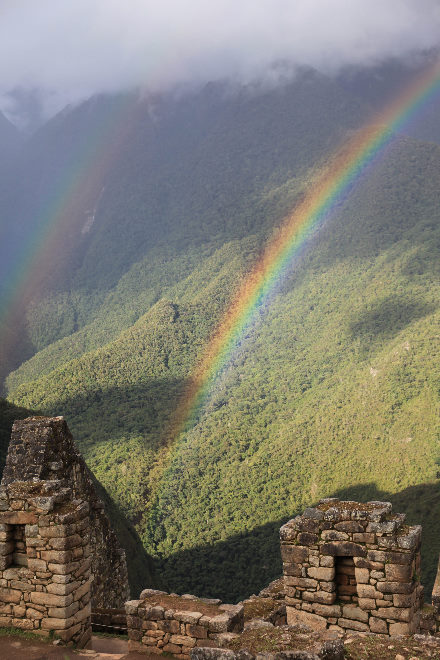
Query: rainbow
[(331, 185), (87, 176), (54, 222)]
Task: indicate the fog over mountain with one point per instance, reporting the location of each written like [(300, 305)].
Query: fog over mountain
[(63, 52)]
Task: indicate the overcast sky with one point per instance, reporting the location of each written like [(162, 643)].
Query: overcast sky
[(70, 49)]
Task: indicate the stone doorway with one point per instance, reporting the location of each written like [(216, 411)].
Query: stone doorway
[(19, 556), (345, 580)]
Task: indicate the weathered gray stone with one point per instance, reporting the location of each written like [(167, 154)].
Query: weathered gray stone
[(396, 629), (219, 623), (385, 527), (327, 610), (411, 540), (307, 538), (294, 554), (212, 654), (398, 572), (396, 613), (381, 509), (351, 612), (349, 526), (362, 575), (343, 549), (395, 587), (398, 557), (314, 621), (334, 535), (313, 513), (288, 532), (305, 583), (378, 626), (321, 573), (6, 547), (188, 617), (377, 555), (353, 625)]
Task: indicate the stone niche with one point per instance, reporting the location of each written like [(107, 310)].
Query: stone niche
[(350, 566), (45, 560)]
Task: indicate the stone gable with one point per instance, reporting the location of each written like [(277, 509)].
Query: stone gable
[(42, 449)]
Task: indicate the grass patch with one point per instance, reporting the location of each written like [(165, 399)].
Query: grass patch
[(24, 634)]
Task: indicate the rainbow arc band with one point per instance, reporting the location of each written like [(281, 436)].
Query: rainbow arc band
[(331, 185)]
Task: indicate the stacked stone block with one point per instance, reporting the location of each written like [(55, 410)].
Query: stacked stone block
[(45, 560), (156, 628), (352, 566)]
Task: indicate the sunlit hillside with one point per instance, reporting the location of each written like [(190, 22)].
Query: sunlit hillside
[(334, 389)]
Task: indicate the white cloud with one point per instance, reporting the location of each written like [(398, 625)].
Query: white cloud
[(71, 49)]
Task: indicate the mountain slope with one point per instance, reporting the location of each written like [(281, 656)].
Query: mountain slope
[(334, 390), (125, 182)]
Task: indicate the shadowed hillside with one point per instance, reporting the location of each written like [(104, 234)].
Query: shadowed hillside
[(245, 563)]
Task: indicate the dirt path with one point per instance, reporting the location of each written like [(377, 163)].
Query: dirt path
[(102, 648)]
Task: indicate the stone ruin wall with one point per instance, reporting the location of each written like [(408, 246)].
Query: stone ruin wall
[(45, 560), (346, 566), (351, 566), (166, 623), (42, 448)]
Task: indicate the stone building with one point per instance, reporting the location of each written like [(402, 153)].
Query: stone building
[(352, 566), (45, 560), (58, 552)]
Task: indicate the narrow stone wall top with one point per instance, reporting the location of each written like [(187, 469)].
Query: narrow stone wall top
[(168, 623), (42, 449), (334, 510)]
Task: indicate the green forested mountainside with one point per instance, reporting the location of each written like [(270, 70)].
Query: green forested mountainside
[(333, 391), (192, 172), (167, 272)]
